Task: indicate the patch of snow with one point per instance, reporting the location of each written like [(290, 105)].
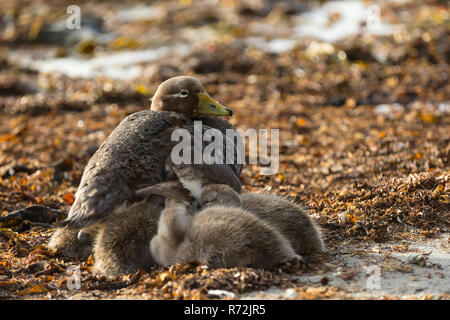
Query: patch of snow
[(388, 108), (271, 46), (351, 15), (444, 107), (290, 293), (137, 13), (280, 45)]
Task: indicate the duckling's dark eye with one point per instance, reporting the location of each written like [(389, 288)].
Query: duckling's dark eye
[(184, 93)]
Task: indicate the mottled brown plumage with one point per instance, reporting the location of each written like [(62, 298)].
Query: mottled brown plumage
[(136, 152), (218, 235)]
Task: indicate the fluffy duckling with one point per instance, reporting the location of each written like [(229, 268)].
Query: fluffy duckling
[(122, 245), (135, 154), (287, 217), (221, 235), (67, 244)]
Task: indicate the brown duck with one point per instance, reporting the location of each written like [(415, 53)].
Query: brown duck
[(135, 154)]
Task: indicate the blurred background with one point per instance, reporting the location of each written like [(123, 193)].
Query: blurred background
[(283, 47)]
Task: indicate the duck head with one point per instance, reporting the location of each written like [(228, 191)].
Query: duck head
[(186, 95)]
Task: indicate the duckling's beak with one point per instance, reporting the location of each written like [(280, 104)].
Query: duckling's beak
[(207, 106)]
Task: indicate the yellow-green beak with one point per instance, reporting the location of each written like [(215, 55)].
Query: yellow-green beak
[(207, 106)]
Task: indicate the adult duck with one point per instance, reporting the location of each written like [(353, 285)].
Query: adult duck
[(137, 150)]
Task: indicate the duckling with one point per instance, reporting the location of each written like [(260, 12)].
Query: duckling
[(122, 245), (219, 235), (135, 154), (289, 218), (67, 244), (259, 225)]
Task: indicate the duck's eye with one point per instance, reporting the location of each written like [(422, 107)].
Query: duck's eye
[(184, 93)]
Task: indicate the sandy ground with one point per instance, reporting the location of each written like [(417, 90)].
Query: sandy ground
[(411, 270), (417, 269)]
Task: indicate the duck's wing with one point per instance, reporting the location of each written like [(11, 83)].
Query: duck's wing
[(133, 155)]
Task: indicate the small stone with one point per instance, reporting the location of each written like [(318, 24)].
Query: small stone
[(419, 260), (290, 294), (221, 294)]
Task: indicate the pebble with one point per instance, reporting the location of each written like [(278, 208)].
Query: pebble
[(417, 259), (290, 294)]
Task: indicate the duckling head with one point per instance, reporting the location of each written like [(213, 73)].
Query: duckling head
[(219, 195), (186, 95)]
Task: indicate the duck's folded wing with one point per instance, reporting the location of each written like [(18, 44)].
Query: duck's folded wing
[(222, 125), (213, 164), (133, 155)]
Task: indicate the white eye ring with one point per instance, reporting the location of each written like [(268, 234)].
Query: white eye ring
[(184, 93)]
